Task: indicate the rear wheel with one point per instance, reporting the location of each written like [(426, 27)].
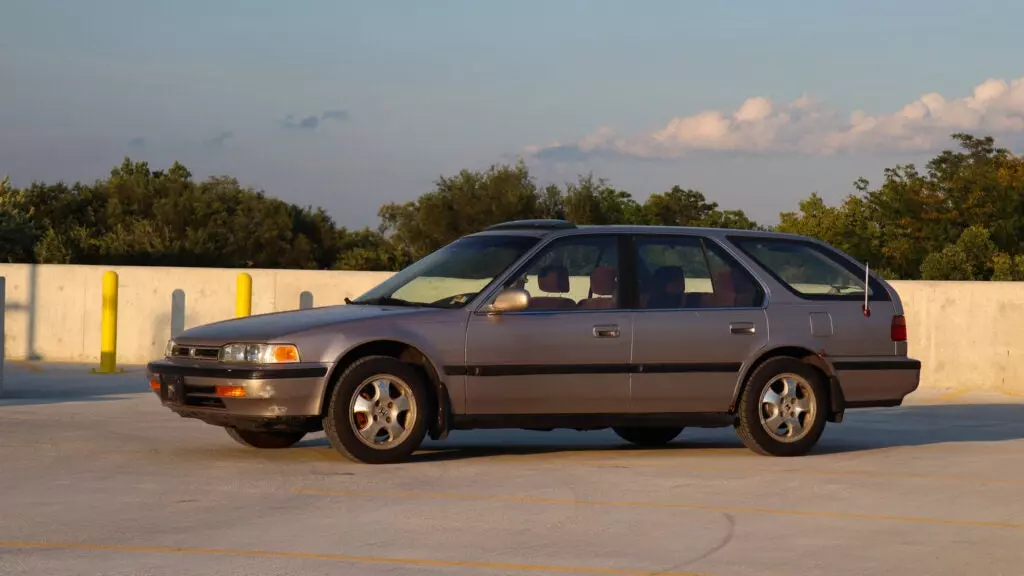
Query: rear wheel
[(265, 439), (648, 436), (783, 408), (379, 411)]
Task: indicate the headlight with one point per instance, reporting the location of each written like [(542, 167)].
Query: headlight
[(259, 353), (169, 349)]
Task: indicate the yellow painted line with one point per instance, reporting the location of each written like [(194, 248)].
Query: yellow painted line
[(615, 460), (809, 472), (662, 506), (339, 558), (963, 392)]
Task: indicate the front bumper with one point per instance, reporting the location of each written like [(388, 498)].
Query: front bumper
[(283, 397)]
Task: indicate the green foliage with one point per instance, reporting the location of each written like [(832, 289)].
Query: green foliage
[(17, 233), (679, 207), (1008, 268), (950, 264), (459, 205), (960, 218)]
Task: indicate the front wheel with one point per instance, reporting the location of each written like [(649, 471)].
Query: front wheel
[(647, 436), (265, 439), (783, 407), (379, 411)]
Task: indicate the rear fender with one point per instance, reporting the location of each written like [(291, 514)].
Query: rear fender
[(837, 401)]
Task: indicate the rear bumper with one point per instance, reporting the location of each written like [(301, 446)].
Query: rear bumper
[(267, 398), (877, 382)]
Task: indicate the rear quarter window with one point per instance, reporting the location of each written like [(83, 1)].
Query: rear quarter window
[(808, 269)]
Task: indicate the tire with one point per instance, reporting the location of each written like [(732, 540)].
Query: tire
[(268, 440), (346, 413), (647, 436), (755, 431)]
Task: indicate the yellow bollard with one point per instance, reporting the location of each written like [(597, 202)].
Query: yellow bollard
[(243, 295), (108, 326)]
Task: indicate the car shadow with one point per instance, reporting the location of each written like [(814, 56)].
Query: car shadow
[(469, 444), (862, 431), (32, 383), (925, 425)]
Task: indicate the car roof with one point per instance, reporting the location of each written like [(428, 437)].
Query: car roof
[(545, 228)]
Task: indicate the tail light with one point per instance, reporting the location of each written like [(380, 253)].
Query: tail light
[(898, 329)]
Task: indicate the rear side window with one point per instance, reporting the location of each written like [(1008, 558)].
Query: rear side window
[(684, 272), (808, 269)]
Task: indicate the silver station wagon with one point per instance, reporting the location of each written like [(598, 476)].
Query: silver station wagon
[(543, 324)]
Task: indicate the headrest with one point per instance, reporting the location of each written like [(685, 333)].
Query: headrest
[(603, 281), (553, 279)]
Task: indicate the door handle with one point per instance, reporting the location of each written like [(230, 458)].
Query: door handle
[(741, 327), (610, 331)]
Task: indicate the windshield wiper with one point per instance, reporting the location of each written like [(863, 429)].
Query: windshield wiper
[(384, 301)]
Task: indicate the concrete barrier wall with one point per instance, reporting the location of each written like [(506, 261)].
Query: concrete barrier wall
[(53, 311), (967, 334)]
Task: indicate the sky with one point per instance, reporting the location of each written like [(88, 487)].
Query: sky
[(349, 105)]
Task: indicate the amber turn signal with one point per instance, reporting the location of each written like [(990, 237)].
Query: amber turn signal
[(285, 354), (230, 391)]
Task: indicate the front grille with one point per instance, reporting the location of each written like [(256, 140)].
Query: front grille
[(195, 352), (202, 397)]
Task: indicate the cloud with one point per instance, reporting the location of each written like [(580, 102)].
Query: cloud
[(312, 122), (334, 115), (137, 143), (807, 126), (219, 139)]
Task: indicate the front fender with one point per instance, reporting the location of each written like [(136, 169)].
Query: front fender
[(439, 340)]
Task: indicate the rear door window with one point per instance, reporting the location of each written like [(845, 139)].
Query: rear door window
[(680, 271)]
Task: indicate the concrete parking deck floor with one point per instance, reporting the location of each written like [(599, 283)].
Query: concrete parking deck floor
[(97, 478)]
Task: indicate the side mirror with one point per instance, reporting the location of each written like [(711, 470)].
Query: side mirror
[(510, 300)]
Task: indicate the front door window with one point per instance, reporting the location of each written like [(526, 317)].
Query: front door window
[(575, 273)]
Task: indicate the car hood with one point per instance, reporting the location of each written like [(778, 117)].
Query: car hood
[(278, 324)]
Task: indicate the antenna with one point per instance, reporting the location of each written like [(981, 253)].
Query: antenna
[(867, 308)]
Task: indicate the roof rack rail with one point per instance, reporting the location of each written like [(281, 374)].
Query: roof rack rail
[(541, 224)]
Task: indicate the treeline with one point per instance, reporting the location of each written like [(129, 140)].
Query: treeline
[(961, 218)]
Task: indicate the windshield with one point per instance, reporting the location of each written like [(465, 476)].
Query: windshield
[(451, 276)]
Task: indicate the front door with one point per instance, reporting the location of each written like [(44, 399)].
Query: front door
[(569, 353), (699, 317)]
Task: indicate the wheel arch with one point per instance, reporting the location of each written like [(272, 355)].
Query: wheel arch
[(408, 353), (817, 360)]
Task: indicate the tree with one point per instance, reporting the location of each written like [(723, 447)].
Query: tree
[(17, 232), (970, 258), (961, 217), (1008, 268), (687, 207), (592, 201), (461, 204), (140, 216), (915, 224)]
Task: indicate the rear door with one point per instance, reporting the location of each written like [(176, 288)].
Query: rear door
[(699, 316)]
